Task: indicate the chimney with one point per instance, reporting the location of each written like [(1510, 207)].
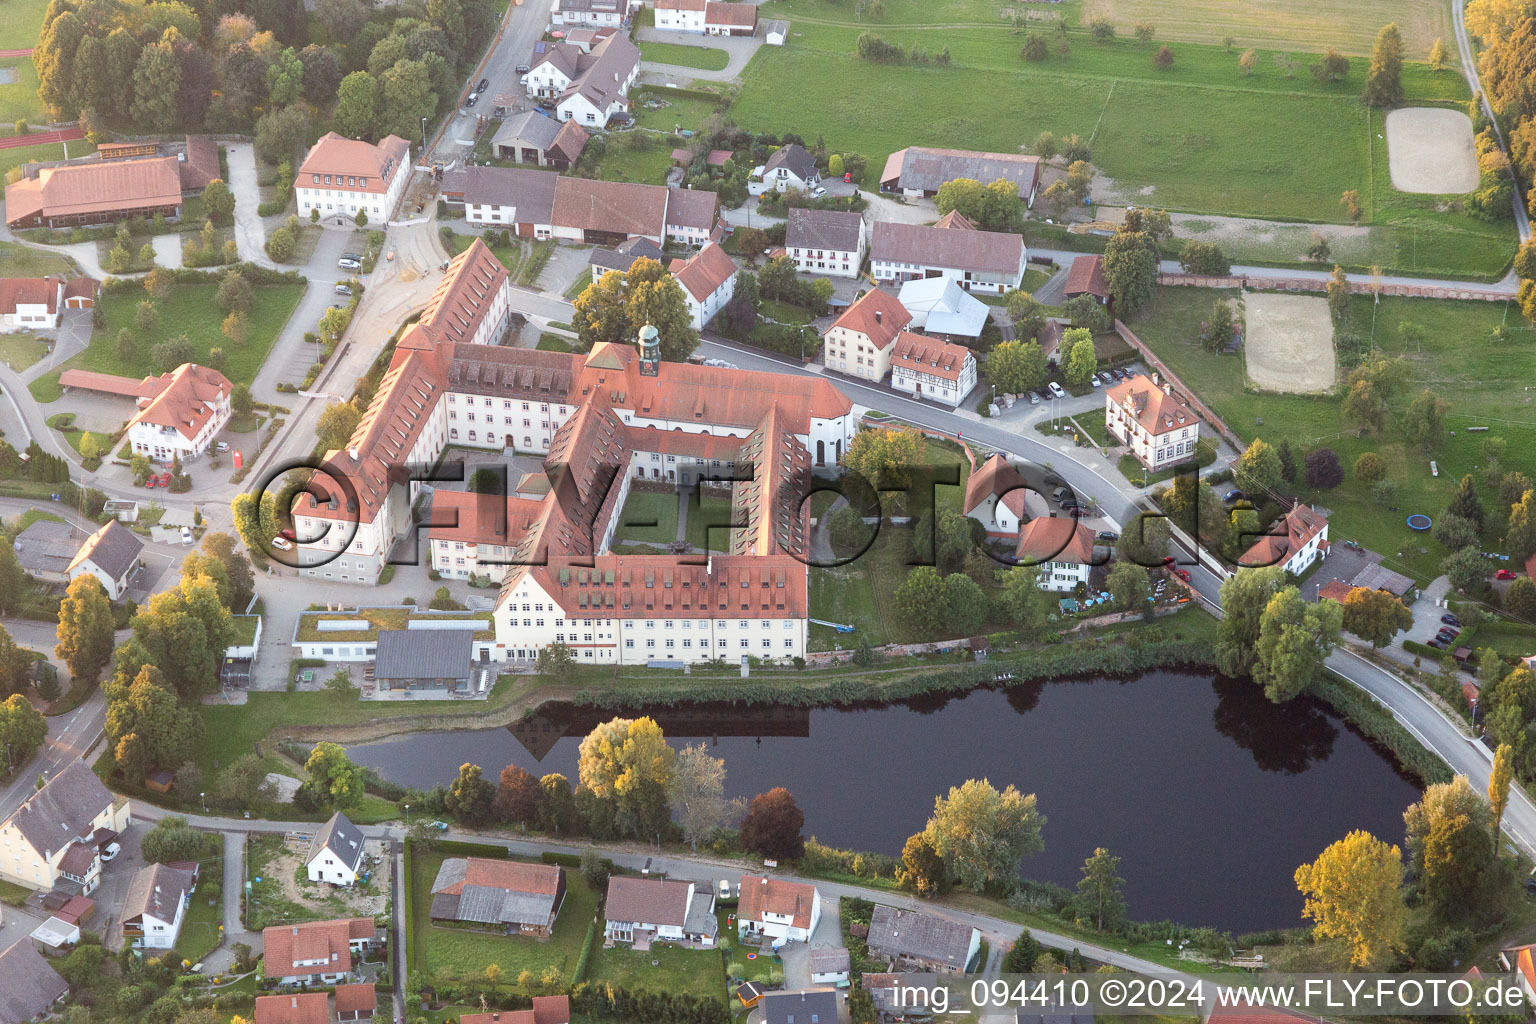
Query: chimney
[(1155, 378), (352, 451), (879, 316), (1167, 389)]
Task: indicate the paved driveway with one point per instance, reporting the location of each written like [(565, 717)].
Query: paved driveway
[(16, 924), (250, 232), (740, 48), (115, 876)]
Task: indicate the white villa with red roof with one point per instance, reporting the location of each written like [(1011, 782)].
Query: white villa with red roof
[(925, 367), (1297, 540), (341, 176), (859, 342), (1158, 427), (994, 497), (180, 413), (708, 279), (1061, 546), (772, 908)]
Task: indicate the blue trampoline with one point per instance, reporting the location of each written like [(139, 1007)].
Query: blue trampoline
[(1419, 522)]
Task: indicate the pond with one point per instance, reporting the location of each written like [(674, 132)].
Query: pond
[(1210, 794)]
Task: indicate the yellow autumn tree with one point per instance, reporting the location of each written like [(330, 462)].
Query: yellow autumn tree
[(1354, 894)]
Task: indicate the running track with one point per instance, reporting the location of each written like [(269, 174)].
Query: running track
[(41, 138), (16, 53)]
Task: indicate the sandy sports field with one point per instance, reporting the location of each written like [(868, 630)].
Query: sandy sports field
[(1430, 149), (1288, 342)]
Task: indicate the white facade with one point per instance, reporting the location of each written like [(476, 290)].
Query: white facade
[(681, 19), (36, 315), (164, 443), (576, 107), (852, 352), (1164, 447), (159, 933), (23, 864), (996, 517), (832, 262), (327, 867), (547, 80), (994, 283), (338, 197), (1063, 576), (1302, 559), (774, 926), (933, 386), (780, 179), (595, 15), (492, 215), (703, 311)]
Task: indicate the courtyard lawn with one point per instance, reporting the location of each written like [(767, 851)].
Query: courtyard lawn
[(1461, 362), (709, 519), (674, 112), (21, 350), (554, 343), (190, 309), (648, 516), (18, 260), (705, 58), (200, 927), (443, 953), (663, 968), (632, 156)]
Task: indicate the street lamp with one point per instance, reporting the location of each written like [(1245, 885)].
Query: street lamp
[(204, 802), (423, 138), (407, 817)]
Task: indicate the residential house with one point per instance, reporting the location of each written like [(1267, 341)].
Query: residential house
[(925, 367), (730, 19), (621, 257), (46, 549), (994, 497), (586, 87), (608, 212), (825, 241), (939, 306), (858, 343), (1297, 540), (532, 138), (111, 554), (180, 413), (546, 1010), (357, 1001), (315, 953), (680, 15), (156, 904), (1086, 277), (518, 199), (30, 303), (803, 1006), (598, 13), (902, 997), (1158, 427), (921, 941), (342, 177), (1061, 546), (424, 659), (336, 852), (516, 896), (771, 909), (53, 840), (709, 280), (693, 215), (829, 965), (293, 1008), (788, 167), (979, 261), (29, 986), (1518, 962), (647, 909), (95, 192), (919, 171)]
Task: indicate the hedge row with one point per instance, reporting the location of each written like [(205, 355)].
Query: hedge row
[(253, 273), (1362, 711)]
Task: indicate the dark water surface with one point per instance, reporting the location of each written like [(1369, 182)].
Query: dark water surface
[(1210, 794)]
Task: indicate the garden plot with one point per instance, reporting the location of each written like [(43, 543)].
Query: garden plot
[(1288, 342), (1430, 150)]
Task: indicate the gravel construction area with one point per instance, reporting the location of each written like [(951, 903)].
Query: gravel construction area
[(1430, 150), (1288, 343)]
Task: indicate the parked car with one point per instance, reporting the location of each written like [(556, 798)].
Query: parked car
[(1232, 495), (351, 256), (288, 534), (1503, 574), (440, 826), (522, 69), (343, 289), (1108, 536), (153, 481), (1057, 390), (1076, 511), (186, 535), (1060, 494), (725, 888), (348, 263), (472, 98), (1094, 380), (847, 177), (1438, 645), (1450, 620), (282, 543), (1182, 574), (221, 447), (1034, 399), (1450, 631), (485, 83), (818, 192)]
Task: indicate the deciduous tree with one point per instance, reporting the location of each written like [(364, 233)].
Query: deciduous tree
[(1260, 468), (1375, 615), (167, 733), (1016, 366), (357, 106), (470, 795), (627, 761), (1100, 892), (517, 796), (1244, 596), (696, 794), (334, 781), (1078, 357), (772, 825), (156, 86), (85, 630), (1128, 585), (1205, 258), (1294, 639), (1323, 470), (984, 834), (922, 869), (1354, 893), (22, 729), (1130, 270), (1384, 80), (1499, 778), (1424, 420)]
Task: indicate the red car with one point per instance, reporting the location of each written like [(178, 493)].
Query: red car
[(1503, 574), (1182, 574), (1167, 559), (152, 481), (165, 479), (848, 177), (287, 535)]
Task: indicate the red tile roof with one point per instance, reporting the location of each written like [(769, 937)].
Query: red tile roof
[(299, 1008), (512, 875), (1157, 411), (29, 291), (923, 354), (611, 206), (734, 15), (352, 998), (1334, 590), (464, 296), (185, 399), (761, 896), (107, 383), (284, 944), (877, 315), (705, 272), (1290, 534), (996, 476), (339, 156), (1087, 277), (99, 187), (1056, 539)]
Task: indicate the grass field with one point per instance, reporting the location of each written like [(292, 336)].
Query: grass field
[(664, 968), (705, 58), (52, 151), (190, 309), (18, 260), (21, 350), (18, 99), (648, 507), (680, 111), (200, 927), (635, 156), (1311, 25), (1480, 378), (1198, 137), (442, 953), (22, 23)]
